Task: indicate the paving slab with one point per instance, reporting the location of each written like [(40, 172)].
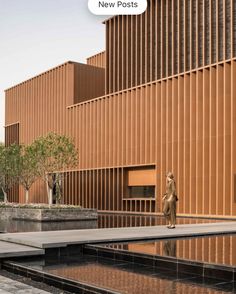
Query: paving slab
[(55, 239), (14, 250), (10, 286)]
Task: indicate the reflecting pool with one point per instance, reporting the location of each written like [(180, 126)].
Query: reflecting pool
[(219, 249), (125, 277)]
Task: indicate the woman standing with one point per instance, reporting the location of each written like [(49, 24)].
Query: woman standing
[(170, 200)]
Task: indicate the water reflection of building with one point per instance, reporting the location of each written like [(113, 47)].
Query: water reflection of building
[(161, 97), (214, 249), (124, 281)]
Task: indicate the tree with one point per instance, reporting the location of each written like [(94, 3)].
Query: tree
[(28, 169), (9, 167), (58, 187), (55, 153)]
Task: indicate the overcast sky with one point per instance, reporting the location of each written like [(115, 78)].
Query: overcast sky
[(36, 35)]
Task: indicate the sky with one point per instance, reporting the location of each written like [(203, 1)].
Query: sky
[(36, 35)]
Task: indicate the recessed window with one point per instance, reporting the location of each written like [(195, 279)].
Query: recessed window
[(141, 192), (142, 177)]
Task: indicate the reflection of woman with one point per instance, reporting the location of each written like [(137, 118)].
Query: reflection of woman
[(170, 248), (170, 199)]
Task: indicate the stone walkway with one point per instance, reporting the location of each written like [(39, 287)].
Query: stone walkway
[(15, 250), (54, 239), (16, 244), (10, 286)]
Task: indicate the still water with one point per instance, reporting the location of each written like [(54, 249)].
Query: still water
[(219, 249), (124, 277)]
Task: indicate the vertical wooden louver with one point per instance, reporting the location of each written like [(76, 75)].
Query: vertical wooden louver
[(12, 137), (12, 134), (170, 105), (98, 60), (184, 123), (171, 37)]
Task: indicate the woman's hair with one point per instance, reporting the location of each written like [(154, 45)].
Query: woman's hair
[(170, 175)]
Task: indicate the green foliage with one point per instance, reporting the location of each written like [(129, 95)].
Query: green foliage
[(9, 166), (55, 153), (28, 167), (46, 157)]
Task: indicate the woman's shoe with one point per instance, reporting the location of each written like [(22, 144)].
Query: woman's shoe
[(172, 227), (168, 227)]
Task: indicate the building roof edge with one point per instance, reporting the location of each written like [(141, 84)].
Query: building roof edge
[(40, 74)]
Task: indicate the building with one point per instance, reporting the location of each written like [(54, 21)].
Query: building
[(161, 97)]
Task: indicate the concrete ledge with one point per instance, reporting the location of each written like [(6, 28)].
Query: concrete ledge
[(8, 250), (48, 214)]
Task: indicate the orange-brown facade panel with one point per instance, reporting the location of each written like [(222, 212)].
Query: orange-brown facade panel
[(172, 125), (38, 106), (98, 60), (12, 137), (171, 37), (171, 107)]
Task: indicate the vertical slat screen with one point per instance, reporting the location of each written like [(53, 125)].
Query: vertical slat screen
[(184, 120), (189, 132), (169, 38), (12, 136), (98, 60)]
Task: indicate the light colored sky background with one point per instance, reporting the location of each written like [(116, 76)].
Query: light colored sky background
[(36, 35)]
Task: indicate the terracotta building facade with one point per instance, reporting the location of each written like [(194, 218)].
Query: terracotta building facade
[(161, 97)]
